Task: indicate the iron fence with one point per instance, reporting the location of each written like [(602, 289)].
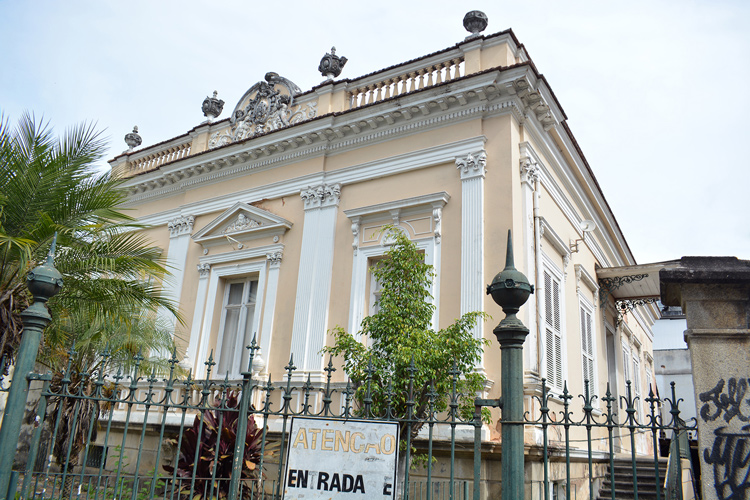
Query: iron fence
[(102, 436)]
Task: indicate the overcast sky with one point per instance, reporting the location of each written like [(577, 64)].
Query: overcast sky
[(657, 93)]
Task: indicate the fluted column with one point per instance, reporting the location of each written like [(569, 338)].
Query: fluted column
[(529, 178), (272, 286), (472, 169), (314, 279), (189, 361), (180, 229)]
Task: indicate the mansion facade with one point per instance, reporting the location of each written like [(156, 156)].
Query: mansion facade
[(270, 219)]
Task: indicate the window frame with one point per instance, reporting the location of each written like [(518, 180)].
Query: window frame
[(236, 366)]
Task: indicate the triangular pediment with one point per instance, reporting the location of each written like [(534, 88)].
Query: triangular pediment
[(241, 222)]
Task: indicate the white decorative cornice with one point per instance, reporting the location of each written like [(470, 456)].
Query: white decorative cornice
[(529, 171), (472, 165), (274, 258), (181, 225), (204, 269), (320, 196)]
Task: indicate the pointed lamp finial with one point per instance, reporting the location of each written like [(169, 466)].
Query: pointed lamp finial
[(45, 281), (510, 289)]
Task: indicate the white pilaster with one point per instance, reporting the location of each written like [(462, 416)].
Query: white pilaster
[(314, 280), (472, 169), (266, 335), (529, 178), (190, 361), (179, 241)]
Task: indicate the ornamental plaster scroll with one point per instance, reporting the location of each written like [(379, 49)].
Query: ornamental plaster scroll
[(268, 105), (241, 223), (355, 234), (181, 225), (204, 269), (437, 213), (472, 165), (323, 195), (274, 259), (529, 171)]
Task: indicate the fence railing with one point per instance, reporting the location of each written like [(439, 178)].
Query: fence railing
[(102, 436)]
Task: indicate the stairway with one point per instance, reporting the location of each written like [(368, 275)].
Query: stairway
[(624, 484)]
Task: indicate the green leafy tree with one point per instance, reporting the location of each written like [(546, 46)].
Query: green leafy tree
[(400, 333)]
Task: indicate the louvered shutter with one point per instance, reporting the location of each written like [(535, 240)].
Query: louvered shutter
[(587, 347), (553, 331)]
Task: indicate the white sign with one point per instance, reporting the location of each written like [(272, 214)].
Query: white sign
[(336, 459)]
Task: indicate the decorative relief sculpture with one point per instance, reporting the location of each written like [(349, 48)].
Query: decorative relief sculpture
[(529, 171), (274, 258), (204, 269), (212, 107), (241, 223), (132, 139), (266, 106), (181, 225), (331, 65), (323, 195), (472, 164)]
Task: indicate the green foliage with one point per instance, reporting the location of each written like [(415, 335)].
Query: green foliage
[(401, 331), (207, 452), (50, 184)]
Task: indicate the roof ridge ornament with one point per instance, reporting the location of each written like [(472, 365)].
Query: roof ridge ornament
[(266, 106), (133, 139), (212, 107), (475, 22), (331, 65)]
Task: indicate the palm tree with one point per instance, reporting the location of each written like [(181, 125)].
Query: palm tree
[(49, 185), (111, 273)]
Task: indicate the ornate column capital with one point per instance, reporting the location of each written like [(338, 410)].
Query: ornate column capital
[(529, 171), (472, 165), (355, 234), (181, 225), (204, 269), (274, 259), (437, 215), (320, 196)]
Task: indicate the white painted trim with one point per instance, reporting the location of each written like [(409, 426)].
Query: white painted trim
[(557, 243), (414, 160), (360, 269), (549, 265), (237, 270), (222, 258), (583, 276)]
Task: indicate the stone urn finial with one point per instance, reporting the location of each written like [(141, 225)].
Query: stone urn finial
[(475, 22), (331, 65), (132, 139), (212, 107)]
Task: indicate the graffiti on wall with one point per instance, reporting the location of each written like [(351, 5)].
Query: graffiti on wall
[(730, 452)]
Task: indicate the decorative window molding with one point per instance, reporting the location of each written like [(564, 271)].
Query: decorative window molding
[(239, 224), (557, 243), (399, 212), (217, 281), (369, 243), (583, 277)]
